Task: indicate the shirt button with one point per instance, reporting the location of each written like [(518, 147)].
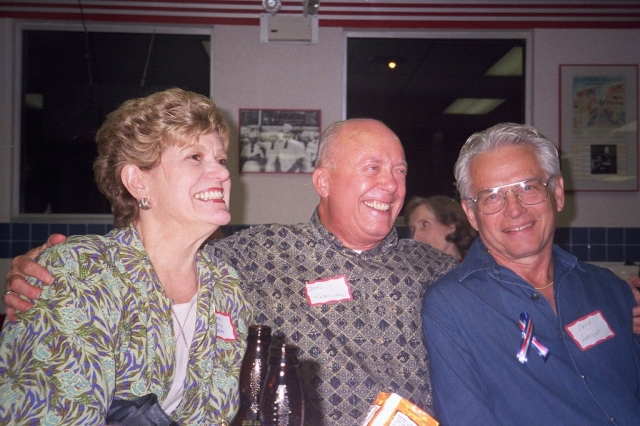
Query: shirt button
[(583, 377), (612, 419), (223, 423), (535, 296)]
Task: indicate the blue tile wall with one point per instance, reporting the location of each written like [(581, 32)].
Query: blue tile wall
[(595, 244), (77, 229), (39, 232), (5, 231), (615, 235)]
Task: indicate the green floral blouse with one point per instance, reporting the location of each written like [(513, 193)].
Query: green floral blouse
[(104, 330)]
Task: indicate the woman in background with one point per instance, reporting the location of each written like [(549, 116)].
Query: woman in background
[(440, 222), (140, 311)]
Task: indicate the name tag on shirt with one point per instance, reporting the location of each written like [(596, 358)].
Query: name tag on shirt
[(225, 329), (590, 330), (329, 290)]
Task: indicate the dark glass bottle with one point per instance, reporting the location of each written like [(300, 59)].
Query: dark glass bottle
[(252, 375), (282, 402)]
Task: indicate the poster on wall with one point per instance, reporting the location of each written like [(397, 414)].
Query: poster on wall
[(598, 127), (278, 140)]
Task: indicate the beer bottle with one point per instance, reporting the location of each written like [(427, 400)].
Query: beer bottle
[(282, 401), (252, 375)]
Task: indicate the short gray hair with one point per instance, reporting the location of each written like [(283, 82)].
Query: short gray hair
[(502, 135)]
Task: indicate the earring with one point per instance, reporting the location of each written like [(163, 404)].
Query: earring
[(144, 204)]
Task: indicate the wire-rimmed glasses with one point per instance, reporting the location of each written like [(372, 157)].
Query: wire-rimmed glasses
[(528, 192)]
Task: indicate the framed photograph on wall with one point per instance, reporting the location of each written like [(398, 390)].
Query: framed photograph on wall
[(278, 140), (598, 127)]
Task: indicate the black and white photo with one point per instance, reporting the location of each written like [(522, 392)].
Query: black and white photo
[(278, 141)]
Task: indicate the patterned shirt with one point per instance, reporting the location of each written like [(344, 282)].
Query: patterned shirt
[(103, 330), (349, 350)]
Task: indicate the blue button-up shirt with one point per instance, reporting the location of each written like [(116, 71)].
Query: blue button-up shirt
[(470, 322)]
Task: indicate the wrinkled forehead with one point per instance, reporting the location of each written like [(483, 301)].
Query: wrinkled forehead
[(504, 165), (376, 140)]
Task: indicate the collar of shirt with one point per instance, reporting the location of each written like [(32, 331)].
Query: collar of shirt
[(479, 259), (323, 234)]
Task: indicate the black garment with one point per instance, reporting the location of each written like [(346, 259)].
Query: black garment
[(143, 411)]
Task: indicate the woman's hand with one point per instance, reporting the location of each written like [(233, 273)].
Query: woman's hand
[(634, 283), (25, 266)]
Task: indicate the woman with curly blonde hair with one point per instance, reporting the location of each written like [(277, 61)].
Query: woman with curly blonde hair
[(140, 314)]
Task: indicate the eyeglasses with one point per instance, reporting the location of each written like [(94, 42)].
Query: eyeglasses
[(528, 192)]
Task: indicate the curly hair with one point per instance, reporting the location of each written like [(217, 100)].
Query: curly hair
[(448, 212), (140, 130)]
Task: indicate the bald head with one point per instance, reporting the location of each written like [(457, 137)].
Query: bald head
[(360, 177), (330, 140)]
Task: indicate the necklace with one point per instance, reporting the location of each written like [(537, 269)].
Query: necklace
[(542, 288), (181, 326)]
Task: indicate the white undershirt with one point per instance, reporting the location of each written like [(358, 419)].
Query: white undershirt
[(181, 311)]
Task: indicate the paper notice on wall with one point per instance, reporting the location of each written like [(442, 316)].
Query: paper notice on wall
[(600, 161)]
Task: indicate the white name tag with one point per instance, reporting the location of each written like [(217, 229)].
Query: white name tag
[(590, 330), (225, 330), (330, 290)]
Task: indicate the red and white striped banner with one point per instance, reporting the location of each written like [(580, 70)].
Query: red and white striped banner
[(460, 14)]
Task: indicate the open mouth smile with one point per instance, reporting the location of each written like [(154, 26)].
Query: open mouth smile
[(209, 194), (377, 205)]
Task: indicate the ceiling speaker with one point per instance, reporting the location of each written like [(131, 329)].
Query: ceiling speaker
[(287, 28)]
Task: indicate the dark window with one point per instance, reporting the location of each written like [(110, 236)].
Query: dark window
[(70, 81), (430, 74)]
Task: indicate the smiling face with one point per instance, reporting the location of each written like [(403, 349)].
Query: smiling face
[(518, 233), (190, 187), (425, 227), (362, 187)]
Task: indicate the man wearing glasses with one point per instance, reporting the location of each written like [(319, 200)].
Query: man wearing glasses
[(522, 332)]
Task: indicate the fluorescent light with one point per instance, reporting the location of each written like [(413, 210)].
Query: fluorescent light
[(509, 65), (207, 46), (473, 106), (34, 100)]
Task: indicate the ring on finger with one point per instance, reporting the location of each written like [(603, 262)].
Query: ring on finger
[(6, 293)]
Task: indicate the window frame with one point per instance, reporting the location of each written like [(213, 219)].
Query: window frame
[(19, 28)]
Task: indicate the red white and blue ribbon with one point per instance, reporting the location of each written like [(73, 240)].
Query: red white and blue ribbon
[(528, 339)]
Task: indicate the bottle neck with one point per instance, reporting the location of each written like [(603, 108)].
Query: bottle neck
[(284, 355)]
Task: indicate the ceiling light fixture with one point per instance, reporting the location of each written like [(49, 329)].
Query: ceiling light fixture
[(509, 65), (271, 6), (388, 60), (310, 7), (473, 106)]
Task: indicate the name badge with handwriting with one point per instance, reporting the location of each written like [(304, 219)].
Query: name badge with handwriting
[(329, 290), (590, 330), (225, 329)]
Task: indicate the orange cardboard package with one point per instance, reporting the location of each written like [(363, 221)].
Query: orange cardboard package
[(390, 409)]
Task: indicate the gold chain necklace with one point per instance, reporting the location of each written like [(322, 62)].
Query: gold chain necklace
[(542, 288)]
